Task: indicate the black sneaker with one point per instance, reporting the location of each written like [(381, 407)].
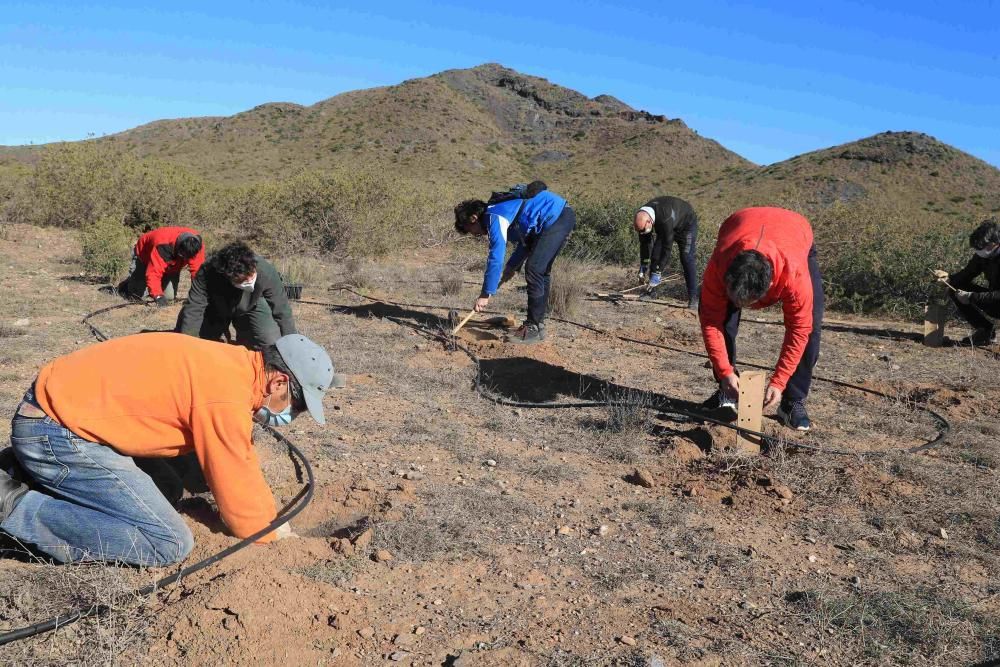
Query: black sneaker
[(693, 304), (529, 333), (980, 338), (721, 406), (11, 491), (793, 415)]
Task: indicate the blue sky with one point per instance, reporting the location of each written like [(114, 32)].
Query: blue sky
[(767, 79)]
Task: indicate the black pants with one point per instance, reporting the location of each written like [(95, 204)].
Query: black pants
[(687, 242), (538, 266), (798, 384), (975, 314)]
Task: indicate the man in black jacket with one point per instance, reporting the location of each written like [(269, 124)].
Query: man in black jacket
[(975, 302), (240, 288), (670, 220)]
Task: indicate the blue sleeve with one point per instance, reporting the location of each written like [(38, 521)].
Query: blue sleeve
[(517, 258), (494, 262)]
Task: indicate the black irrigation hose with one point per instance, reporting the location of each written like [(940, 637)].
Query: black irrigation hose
[(288, 512), (664, 405)]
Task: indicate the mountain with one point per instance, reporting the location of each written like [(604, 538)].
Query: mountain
[(485, 126)]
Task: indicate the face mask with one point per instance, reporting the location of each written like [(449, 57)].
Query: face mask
[(265, 415), (247, 285), (985, 254)]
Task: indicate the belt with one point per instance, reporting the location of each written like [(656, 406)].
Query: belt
[(29, 411)]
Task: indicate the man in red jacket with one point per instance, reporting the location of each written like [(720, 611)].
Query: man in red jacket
[(157, 260), (764, 255)]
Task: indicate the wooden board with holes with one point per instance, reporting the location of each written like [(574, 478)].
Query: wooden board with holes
[(751, 404)]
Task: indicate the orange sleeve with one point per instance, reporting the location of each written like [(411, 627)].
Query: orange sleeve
[(222, 441), (797, 309), (712, 313)]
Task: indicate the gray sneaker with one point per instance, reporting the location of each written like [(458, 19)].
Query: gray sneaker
[(11, 492), (529, 333)]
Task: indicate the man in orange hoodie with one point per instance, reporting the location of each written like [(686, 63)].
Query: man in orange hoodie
[(763, 256), (157, 261), (150, 395)]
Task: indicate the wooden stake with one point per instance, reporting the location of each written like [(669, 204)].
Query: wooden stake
[(751, 405), (935, 316)]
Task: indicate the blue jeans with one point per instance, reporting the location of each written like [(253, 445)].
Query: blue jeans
[(538, 266), (798, 385), (92, 504)]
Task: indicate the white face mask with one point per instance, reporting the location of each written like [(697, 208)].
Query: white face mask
[(247, 285)]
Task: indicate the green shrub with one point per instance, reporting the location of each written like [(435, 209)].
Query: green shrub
[(604, 230), (107, 247)]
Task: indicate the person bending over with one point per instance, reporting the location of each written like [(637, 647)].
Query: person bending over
[(157, 260), (660, 223), (977, 304)]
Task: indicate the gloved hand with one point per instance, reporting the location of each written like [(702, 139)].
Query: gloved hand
[(654, 279), (507, 275), (643, 270), (161, 301), (940, 275), (963, 297)]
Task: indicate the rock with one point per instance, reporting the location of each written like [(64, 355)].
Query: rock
[(856, 580), (692, 490), (782, 491), (413, 475), (383, 556), (22, 322), (564, 530), (364, 484), (642, 477), (491, 463), (810, 539), (686, 451), (420, 630), (812, 558), (366, 633), (627, 640), (364, 540), (603, 530), (405, 487), (344, 546), (397, 656), (942, 533)]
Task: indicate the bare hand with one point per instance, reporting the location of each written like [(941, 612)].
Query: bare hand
[(963, 297), (482, 303), (730, 386), (284, 531), (941, 276), (771, 397)]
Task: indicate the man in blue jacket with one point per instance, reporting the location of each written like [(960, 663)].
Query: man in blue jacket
[(538, 222)]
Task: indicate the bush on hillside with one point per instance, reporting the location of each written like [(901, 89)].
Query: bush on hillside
[(604, 230), (106, 246)]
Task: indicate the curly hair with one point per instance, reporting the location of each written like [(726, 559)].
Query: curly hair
[(234, 261), (465, 211), (987, 233)]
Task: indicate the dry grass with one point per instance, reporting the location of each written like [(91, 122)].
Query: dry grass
[(568, 287), (449, 282)]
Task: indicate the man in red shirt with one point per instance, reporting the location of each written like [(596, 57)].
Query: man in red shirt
[(763, 256), (157, 260)]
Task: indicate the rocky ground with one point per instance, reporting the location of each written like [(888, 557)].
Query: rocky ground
[(446, 529)]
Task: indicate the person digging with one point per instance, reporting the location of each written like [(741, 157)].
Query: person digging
[(539, 222), (158, 395), (660, 223), (763, 256), (158, 258), (239, 288), (977, 304)]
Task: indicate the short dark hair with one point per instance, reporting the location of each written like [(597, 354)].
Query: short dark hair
[(274, 362), (748, 276), (465, 211), (187, 246), (987, 233), (234, 261)]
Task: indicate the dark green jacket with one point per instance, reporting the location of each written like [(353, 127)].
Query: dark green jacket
[(213, 297)]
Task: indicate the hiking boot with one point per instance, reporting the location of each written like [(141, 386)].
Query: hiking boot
[(980, 337), (529, 333), (721, 404), (11, 492), (693, 304), (793, 415)]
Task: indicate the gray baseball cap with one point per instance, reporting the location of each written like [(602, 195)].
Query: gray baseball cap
[(311, 366)]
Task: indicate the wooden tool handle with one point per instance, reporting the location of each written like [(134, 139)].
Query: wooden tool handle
[(462, 323)]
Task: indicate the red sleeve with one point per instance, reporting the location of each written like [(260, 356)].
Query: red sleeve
[(797, 307), (196, 262), (712, 313)]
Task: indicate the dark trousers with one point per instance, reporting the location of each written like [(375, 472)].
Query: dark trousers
[(798, 384), (975, 314), (255, 329), (686, 243), (538, 265), (134, 285)]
